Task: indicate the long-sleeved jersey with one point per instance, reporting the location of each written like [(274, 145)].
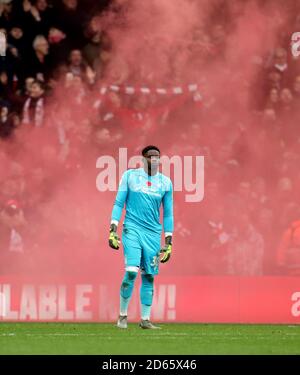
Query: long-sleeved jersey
[(143, 195)]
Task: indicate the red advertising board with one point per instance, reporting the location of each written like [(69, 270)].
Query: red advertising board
[(177, 299)]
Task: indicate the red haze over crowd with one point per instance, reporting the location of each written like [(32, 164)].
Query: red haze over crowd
[(242, 119)]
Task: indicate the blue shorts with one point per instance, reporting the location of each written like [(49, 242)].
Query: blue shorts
[(141, 249)]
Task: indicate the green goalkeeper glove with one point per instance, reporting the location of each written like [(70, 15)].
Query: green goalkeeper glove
[(114, 240), (166, 250)]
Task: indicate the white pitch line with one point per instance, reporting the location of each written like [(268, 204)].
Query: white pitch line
[(152, 337), (7, 334), (101, 334)]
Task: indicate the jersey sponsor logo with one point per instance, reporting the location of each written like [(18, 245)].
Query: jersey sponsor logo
[(140, 184)]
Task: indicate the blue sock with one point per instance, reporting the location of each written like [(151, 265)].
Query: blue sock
[(126, 291), (146, 295), (145, 312)]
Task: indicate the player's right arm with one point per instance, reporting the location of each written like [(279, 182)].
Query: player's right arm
[(120, 200)]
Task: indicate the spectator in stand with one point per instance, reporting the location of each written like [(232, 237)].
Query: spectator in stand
[(288, 252), (287, 112), (5, 89), (264, 219), (38, 65), (105, 139), (40, 16), (77, 92), (92, 49), (59, 47), (284, 196), (280, 66), (245, 249), (34, 107), (109, 110), (103, 60), (280, 60), (296, 88), (12, 233), (117, 70), (274, 80), (10, 187), (27, 87), (16, 37), (7, 122), (69, 17), (78, 67), (286, 101), (273, 99), (6, 14)]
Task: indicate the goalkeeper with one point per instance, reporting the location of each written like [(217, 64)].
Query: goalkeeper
[(142, 190)]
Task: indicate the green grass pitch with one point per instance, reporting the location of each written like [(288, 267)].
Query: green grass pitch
[(83, 338)]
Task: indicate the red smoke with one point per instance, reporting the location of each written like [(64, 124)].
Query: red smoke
[(227, 48)]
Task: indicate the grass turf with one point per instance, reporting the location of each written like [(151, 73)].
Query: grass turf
[(82, 338)]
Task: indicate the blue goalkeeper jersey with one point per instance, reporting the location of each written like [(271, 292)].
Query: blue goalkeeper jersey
[(143, 196)]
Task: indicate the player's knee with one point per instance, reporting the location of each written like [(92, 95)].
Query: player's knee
[(128, 284), (149, 279), (131, 275)]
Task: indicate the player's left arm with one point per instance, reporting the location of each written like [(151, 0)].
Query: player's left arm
[(168, 222)]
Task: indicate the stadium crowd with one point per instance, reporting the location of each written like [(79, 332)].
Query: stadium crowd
[(53, 70)]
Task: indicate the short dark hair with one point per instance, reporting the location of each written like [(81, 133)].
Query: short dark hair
[(148, 148)]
